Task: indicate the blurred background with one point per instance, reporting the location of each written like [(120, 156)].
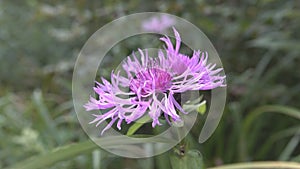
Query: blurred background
[(258, 42)]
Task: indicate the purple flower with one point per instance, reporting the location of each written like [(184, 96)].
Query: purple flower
[(196, 64), (151, 85), (158, 24)]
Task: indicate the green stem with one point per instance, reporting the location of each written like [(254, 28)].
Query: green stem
[(138, 124), (260, 165)]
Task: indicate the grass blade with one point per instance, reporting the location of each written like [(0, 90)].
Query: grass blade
[(260, 165)]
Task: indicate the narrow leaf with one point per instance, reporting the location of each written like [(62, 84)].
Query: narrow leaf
[(138, 124)]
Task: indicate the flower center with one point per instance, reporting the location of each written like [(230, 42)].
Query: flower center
[(151, 80)]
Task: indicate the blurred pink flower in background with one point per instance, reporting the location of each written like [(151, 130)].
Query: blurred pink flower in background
[(158, 24)]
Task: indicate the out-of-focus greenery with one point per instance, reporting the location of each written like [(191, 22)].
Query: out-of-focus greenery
[(258, 42)]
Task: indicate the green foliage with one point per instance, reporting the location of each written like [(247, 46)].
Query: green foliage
[(202, 108), (56, 155), (191, 159), (133, 128)]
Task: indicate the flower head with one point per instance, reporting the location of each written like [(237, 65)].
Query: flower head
[(197, 64), (152, 84)]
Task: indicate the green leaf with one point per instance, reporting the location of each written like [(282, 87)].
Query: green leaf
[(250, 119), (290, 148), (58, 154), (269, 108), (138, 124), (260, 165), (192, 159), (72, 150), (195, 105), (38, 100), (202, 108)]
